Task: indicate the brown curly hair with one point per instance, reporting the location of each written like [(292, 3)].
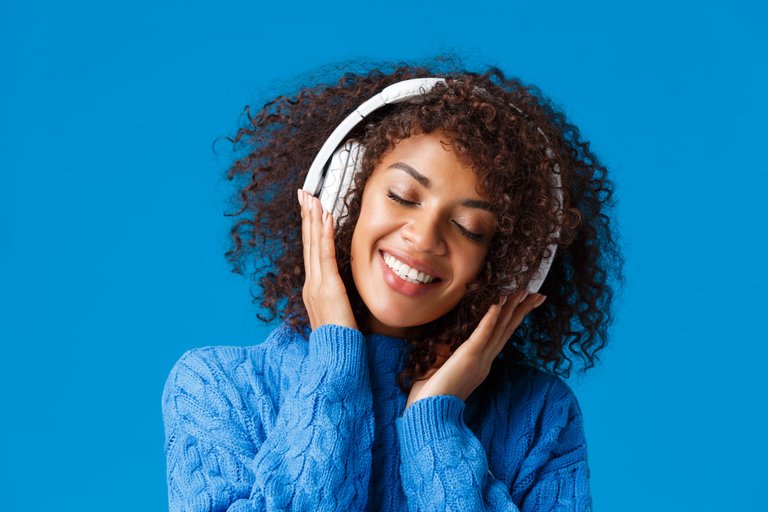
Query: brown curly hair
[(502, 128)]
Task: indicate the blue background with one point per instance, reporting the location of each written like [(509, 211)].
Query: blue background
[(112, 234)]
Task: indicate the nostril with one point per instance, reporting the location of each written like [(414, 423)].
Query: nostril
[(425, 242)]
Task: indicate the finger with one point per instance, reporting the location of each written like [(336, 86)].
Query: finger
[(525, 307), (307, 251), (484, 330), (316, 236), (305, 234), (502, 334), (328, 249)]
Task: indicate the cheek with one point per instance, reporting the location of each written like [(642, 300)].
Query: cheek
[(368, 230), (373, 220), (473, 264)]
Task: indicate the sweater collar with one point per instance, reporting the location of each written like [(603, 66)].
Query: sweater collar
[(387, 352)]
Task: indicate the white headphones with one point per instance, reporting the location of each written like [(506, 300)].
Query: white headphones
[(331, 172)]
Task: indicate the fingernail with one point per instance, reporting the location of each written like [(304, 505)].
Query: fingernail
[(325, 218), (300, 193), (540, 301), (503, 300)]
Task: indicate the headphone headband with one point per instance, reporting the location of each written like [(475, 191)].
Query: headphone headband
[(395, 93)]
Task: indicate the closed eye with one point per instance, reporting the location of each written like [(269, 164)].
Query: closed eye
[(396, 198), (475, 237)]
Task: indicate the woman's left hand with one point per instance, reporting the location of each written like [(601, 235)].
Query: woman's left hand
[(460, 373)]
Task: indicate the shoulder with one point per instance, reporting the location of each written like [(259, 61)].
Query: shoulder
[(535, 390), (547, 392), (552, 421), (532, 405), (532, 426), (231, 371), (230, 395)]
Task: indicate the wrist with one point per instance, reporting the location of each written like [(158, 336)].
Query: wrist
[(338, 353)]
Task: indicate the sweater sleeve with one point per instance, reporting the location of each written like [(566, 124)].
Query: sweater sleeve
[(444, 466), (229, 448)]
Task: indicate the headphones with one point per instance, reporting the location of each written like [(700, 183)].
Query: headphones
[(331, 172)]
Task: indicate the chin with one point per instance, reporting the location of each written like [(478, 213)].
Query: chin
[(393, 318)]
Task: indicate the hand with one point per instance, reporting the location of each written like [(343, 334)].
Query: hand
[(324, 294), (460, 373)]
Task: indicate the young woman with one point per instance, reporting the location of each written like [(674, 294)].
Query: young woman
[(417, 363)]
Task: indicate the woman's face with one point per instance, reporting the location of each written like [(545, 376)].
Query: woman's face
[(422, 235)]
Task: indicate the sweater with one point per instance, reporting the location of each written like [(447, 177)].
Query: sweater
[(320, 425)]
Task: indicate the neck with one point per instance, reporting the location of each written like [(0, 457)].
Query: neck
[(387, 330)]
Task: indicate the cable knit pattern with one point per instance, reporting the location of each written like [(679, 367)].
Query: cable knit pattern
[(320, 425)]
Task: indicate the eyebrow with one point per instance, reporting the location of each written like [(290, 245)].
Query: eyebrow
[(413, 172), (424, 181)]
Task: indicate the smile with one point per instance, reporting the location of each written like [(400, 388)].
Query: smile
[(405, 272)]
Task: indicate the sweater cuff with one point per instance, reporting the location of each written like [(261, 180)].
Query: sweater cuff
[(338, 352), (428, 420)]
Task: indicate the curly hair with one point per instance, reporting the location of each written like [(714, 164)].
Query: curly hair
[(503, 129)]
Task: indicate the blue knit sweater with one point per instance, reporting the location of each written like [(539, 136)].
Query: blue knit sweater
[(319, 425)]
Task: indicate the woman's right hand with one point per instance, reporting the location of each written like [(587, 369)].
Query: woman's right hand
[(324, 294)]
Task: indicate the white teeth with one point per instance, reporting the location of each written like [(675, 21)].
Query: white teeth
[(404, 271)]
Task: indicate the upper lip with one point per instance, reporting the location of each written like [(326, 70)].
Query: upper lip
[(413, 263)]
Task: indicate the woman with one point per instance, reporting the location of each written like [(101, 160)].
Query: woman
[(416, 366)]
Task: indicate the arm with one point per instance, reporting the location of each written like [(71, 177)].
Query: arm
[(228, 449), (443, 465)]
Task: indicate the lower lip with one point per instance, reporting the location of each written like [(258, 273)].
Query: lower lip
[(399, 284)]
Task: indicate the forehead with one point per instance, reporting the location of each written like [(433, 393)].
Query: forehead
[(430, 160)]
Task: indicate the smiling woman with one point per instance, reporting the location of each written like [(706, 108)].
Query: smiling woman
[(417, 363), (423, 221)]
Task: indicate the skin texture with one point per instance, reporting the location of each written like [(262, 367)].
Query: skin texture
[(432, 228)]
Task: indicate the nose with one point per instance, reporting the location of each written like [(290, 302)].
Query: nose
[(423, 234)]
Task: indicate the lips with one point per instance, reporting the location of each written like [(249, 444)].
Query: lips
[(400, 285), (406, 272), (419, 266)]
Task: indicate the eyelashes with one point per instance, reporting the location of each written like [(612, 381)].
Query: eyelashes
[(396, 198), (475, 237)]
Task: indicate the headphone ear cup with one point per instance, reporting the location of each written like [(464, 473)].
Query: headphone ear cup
[(345, 162)]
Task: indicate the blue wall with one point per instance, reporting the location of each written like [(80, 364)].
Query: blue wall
[(112, 234)]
